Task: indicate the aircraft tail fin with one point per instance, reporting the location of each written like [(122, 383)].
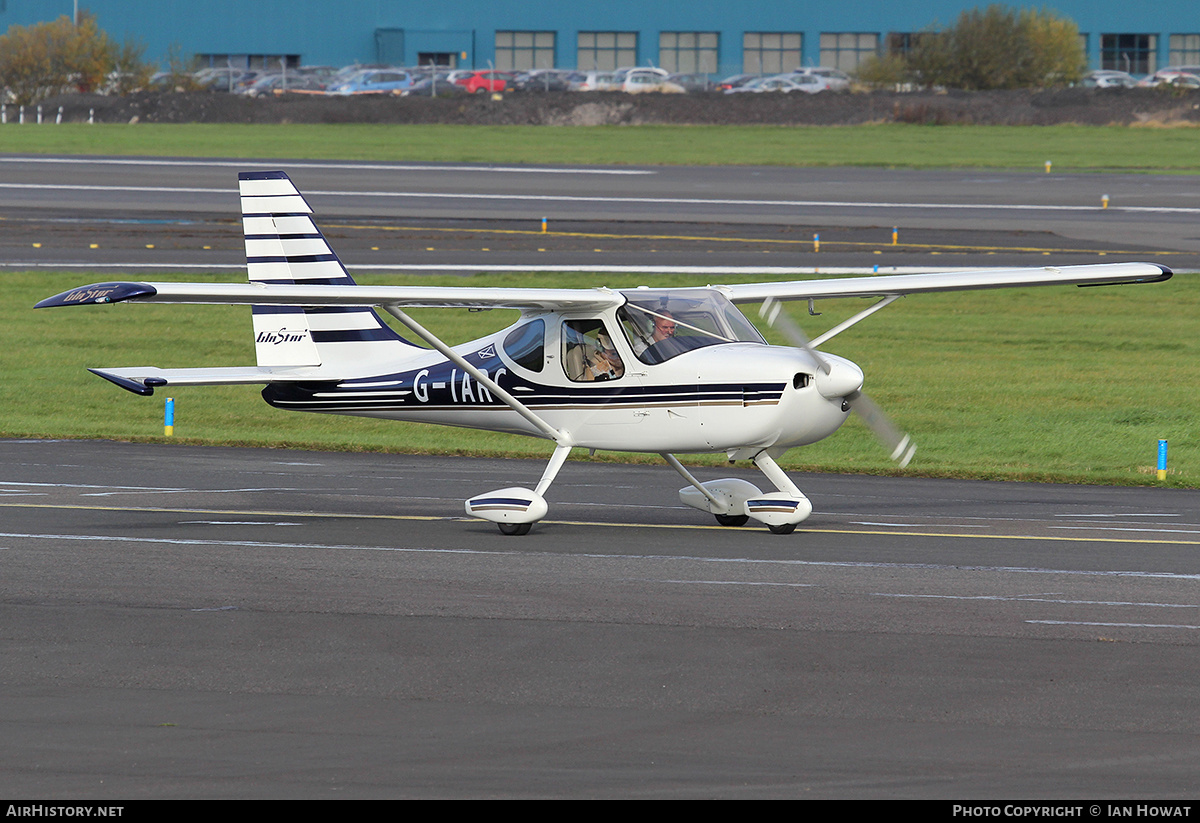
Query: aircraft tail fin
[(284, 246)]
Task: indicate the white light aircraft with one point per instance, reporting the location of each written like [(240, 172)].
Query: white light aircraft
[(663, 371)]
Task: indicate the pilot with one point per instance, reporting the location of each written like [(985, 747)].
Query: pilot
[(664, 327)]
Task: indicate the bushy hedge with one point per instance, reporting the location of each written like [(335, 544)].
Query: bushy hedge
[(993, 48)]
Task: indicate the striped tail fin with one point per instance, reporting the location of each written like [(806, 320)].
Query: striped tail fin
[(284, 245)]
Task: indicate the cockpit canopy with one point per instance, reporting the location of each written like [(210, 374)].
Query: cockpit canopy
[(664, 323)]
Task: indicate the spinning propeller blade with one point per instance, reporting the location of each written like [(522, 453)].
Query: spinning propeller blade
[(898, 443), (901, 445)]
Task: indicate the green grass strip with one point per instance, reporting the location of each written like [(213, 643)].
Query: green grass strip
[(1054, 384), (1069, 148)]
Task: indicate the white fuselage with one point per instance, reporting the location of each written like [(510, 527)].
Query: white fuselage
[(731, 396)]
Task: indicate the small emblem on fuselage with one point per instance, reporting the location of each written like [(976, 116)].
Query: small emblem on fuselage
[(282, 336)]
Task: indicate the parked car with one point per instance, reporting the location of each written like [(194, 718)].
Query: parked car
[(218, 79), (835, 79), (783, 84), (736, 81), (1166, 76), (434, 85), (1108, 79), (1184, 80), (273, 84), (692, 82), (541, 80), (592, 81), (641, 80), (373, 81), (488, 80)]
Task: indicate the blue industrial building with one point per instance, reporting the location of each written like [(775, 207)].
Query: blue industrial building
[(708, 36)]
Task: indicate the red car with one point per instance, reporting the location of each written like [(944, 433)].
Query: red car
[(485, 81)]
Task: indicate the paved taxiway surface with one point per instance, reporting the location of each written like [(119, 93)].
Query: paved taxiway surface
[(264, 623), (394, 214)]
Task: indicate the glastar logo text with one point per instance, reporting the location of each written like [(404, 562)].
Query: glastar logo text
[(93, 295), (282, 336)]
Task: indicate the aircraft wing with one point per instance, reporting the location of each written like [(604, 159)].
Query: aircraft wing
[(263, 294), (900, 284), (599, 298)]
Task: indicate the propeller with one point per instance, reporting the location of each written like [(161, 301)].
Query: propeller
[(839, 379)]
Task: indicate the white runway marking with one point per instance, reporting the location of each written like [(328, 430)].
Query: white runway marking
[(245, 165), (1114, 625), (232, 523), (1124, 514), (920, 525), (1018, 598), (110, 491), (728, 583), (748, 561), (673, 201)]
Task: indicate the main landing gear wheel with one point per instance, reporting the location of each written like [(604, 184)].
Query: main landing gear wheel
[(782, 528), (514, 528), (732, 519)]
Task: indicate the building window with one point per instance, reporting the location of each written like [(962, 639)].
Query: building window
[(1134, 53), (516, 50), (771, 52), (606, 50), (270, 62), (845, 50), (688, 51), (1185, 50), (902, 43)]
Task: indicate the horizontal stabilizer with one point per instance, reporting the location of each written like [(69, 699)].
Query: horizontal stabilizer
[(145, 379)]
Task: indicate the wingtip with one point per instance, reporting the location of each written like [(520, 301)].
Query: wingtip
[(262, 175), (136, 386), (99, 293)]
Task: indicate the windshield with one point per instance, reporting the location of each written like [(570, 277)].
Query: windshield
[(664, 323)]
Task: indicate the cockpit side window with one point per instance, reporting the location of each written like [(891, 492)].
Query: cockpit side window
[(525, 345), (588, 353)]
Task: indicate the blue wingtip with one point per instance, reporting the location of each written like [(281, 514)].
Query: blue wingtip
[(137, 387), (262, 175), (99, 293)]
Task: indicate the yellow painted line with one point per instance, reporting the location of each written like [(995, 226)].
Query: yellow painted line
[(746, 240), (591, 523)]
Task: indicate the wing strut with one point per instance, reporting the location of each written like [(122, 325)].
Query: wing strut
[(513, 403), (862, 315)]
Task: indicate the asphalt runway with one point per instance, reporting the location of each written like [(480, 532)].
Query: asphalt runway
[(250, 623), (128, 213)]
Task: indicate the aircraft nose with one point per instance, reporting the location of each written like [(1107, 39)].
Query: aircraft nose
[(844, 378)]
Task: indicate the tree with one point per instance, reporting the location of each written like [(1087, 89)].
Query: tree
[(46, 58), (130, 72), (998, 48)]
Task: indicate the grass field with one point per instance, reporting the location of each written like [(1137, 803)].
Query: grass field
[(1069, 148), (1065, 384)]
